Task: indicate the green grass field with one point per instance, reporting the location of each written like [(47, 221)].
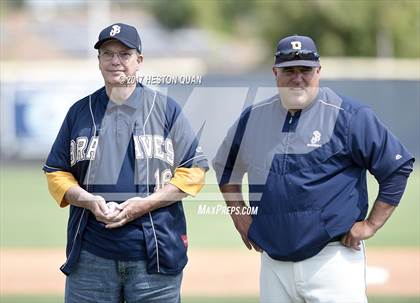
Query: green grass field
[(29, 217)]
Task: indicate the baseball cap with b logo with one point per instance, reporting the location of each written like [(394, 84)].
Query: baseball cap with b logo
[(124, 33), (296, 51)]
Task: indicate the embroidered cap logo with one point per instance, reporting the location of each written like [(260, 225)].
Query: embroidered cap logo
[(115, 30), (296, 45)]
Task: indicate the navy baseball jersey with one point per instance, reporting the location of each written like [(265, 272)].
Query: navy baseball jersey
[(307, 171), (122, 151)]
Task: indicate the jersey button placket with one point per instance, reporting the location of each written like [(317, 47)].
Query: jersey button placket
[(117, 125)]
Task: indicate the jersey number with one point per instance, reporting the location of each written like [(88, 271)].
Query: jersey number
[(161, 179)]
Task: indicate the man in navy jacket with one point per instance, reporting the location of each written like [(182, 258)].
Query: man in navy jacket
[(306, 152)]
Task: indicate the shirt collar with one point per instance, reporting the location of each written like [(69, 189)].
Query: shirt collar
[(134, 101), (315, 100)]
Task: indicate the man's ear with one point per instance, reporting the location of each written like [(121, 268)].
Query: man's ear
[(275, 71), (139, 58)]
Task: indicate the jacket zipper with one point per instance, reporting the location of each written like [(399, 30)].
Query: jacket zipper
[(283, 167)]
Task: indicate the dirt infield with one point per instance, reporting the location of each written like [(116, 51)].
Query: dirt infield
[(210, 272)]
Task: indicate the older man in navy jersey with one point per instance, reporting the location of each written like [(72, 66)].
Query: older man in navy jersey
[(124, 158)]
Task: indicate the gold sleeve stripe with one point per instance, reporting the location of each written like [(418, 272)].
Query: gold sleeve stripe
[(189, 180), (58, 184)]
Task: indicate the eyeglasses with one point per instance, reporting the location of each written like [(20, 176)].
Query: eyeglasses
[(297, 54), (109, 55)]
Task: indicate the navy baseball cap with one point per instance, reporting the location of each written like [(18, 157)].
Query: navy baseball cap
[(296, 51), (124, 33)]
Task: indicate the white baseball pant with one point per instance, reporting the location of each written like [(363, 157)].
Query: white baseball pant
[(337, 274)]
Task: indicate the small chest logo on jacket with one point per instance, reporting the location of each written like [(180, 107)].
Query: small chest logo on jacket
[(316, 137)]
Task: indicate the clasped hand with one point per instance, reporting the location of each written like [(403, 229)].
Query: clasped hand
[(116, 215)]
